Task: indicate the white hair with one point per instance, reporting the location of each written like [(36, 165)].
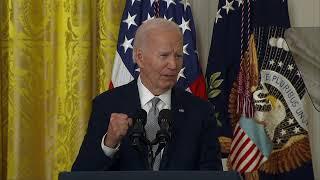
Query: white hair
[(150, 26)]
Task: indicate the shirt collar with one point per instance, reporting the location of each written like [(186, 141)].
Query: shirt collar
[(145, 95)]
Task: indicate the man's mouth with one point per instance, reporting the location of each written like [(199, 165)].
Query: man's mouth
[(170, 77)]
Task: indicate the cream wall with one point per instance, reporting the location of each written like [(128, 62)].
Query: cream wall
[(303, 13)]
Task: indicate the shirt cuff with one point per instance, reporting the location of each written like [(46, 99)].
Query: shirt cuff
[(107, 150)]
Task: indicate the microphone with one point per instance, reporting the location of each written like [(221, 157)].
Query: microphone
[(165, 122), (137, 133)]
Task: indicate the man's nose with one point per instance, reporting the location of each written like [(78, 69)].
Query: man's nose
[(173, 62)]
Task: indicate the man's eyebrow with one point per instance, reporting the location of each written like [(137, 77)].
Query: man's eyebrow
[(164, 51)]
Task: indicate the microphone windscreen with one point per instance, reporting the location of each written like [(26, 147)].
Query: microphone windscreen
[(165, 114), (140, 115)]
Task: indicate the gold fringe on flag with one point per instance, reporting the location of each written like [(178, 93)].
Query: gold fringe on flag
[(249, 82), (294, 154)]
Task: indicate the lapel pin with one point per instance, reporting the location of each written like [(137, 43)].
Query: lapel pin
[(181, 110)]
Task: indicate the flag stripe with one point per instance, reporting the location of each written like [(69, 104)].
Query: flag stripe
[(238, 139), (244, 143), (120, 73), (237, 128), (244, 155), (257, 163), (250, 158)]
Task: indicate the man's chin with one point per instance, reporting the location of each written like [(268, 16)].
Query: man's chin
[(169, 78), (168, 85)]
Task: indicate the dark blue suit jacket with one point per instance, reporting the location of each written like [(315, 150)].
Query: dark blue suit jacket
[(194, 144)]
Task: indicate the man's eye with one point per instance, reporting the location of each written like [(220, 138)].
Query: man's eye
[(164, 55), (179, 56)]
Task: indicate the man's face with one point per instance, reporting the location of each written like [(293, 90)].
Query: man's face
[(160, 60)]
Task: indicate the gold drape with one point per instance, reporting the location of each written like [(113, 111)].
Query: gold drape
[(55, 56)]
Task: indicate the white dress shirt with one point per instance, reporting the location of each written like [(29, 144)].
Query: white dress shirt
[(145, 99)]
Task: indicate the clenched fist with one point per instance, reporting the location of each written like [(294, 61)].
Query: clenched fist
[(117, 129)]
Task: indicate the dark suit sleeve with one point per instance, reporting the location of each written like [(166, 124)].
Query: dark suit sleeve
[(210, 158), (91, 156)]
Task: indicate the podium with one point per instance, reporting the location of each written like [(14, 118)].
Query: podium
[(150, 175)]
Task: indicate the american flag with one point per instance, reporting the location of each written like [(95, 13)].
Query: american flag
[(245, 155), (135, 13)]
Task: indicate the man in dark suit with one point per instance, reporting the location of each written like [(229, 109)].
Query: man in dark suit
[(158, 51)]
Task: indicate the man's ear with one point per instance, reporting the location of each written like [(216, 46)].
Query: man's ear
[(138, 56)]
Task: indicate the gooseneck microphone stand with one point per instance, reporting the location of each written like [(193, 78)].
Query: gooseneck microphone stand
[(140, 142)]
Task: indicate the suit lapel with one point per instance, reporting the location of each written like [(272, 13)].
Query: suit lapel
[(178, 111), (132, 100)]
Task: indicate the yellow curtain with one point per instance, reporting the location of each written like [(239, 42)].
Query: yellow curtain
[(55, 55)]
